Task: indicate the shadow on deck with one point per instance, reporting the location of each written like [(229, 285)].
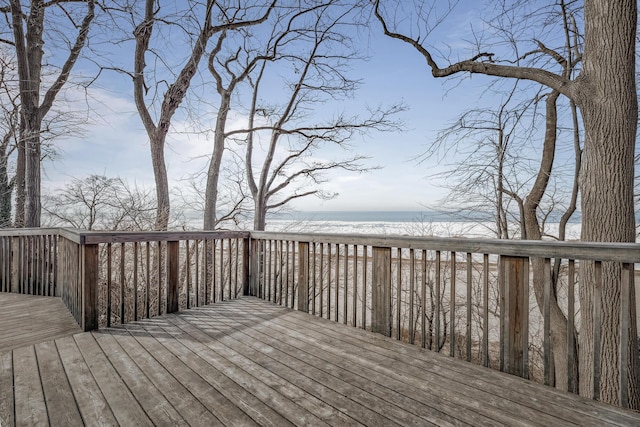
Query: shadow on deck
[(248, 362)]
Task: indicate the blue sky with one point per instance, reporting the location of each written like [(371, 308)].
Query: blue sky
[(116, 144)]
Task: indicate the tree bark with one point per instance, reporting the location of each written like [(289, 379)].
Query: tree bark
[(608, 104)]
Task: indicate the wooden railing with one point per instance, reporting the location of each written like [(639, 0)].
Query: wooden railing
[(108, 278), (469, 298)]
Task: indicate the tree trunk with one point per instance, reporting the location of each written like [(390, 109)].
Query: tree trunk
[(162, 183), (608, 103), (259, 213), (6, 190), (213, 174), (532, 232), (19, 180)]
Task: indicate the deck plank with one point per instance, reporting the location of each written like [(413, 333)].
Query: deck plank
[(28, 319), (213, 349), (123, 404), (506, 387), (157, 407), (56, 387), (249, 362), (6, 389), (179, 394), (91, 402), (30, 406), (255, 400), (443, 406), (216, 402)]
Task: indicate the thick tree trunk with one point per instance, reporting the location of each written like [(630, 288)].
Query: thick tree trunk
[(608, 103), (259, 213), (32, 174)]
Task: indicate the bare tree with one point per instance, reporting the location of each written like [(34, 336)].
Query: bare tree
[(97, 202), (314, 51), (231, 17), (27, 38), (605, 93)]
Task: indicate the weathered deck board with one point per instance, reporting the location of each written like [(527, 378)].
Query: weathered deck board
[(248, 362), (29, 319)]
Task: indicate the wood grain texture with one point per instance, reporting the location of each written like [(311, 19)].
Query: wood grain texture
[(250, 362), (27, 320)]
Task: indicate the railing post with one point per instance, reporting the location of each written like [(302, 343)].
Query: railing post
[(516, 314), (89, 277), (173, 276), (246, 276), (381, 319), (303, 277)]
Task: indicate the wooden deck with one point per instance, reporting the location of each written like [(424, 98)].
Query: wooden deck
[(248, 362), (28, 319)]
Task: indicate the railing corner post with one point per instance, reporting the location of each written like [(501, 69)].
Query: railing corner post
[(303, 277), (90, 273), (173, 270)]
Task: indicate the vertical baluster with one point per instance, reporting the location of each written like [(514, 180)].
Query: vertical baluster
[(423, 317), (525, 317), (337, 293), (399, 294), (159, 261), (147, 302), (485, 310), (280, 271), (135, 281), (354, 300), (293, 272), (108, 285), (412, 277), (321, 302), (365, 265), (452, 307), (197, 273), (438, 301), (329, 281), (235, 289), (469, 290)]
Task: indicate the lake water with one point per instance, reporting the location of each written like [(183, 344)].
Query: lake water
[(413, 223)]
